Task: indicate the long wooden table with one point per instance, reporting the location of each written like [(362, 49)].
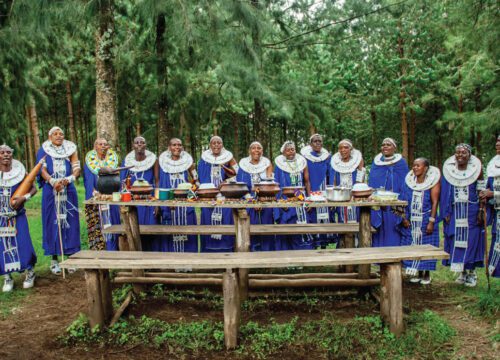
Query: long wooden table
[(97, 264), (242, 228)]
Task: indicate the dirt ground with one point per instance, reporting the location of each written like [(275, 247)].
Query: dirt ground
[(31, 331)]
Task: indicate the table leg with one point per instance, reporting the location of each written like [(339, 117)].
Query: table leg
[(365, 238), (232, 308), (106, 295), (131, 223), (94, 299), (242, 244), (391, 297)]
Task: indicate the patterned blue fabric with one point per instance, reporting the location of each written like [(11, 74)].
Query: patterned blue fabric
[(492, 220)]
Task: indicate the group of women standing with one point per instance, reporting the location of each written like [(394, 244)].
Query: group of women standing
[(457, 194)]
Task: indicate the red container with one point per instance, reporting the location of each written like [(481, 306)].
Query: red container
[(126, 197)]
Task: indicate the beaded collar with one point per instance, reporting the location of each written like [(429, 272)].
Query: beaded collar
[(346, 167), (307, 152), (67, 149), (94, 163), (458, 177), (172, 166), (493, 169), (294, 166), (143, 165), (247, 166), (14, 176), (224, 157), (378, 160), (431, 178)]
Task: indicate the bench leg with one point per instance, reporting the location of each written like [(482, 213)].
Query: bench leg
[(391, 297), (348, 242), (365, 238), (131, 223), (242, 244), (232, 308), (106, 296), (94, 298)]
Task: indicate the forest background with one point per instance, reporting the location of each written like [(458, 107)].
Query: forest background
[(424, 72)]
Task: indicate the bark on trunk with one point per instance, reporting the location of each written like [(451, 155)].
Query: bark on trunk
[(161, 69), (477, 99), (413, 122), (373, 116), (29, 142), (236, 135), (402, 96), (34, 125), (106, 125), (71, 119)]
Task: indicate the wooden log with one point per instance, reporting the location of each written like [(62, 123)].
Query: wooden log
[(168, 281), (123, 243), (94, 299), (251, 276), (232, 308), (312, 282), (391, 297), (121, 309), (242, 244), (253, 283), (131, 223), (365, 239), (349, 244), (106, 295)]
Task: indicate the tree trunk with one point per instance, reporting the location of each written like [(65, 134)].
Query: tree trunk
[(312, 126), (477, 99), (34, 125), (402, 95), (71, 119), (161, 70), (413, 122), (236, 135), (373, 116), (29, 142), (106, 124)]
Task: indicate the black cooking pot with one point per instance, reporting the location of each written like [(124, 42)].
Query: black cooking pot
[(108, 180)]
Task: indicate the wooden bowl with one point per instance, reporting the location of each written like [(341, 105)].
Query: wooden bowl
[(181, 193), (267, 189), (234, 190), (289, 191), (362, 194), (141, 190), (207, 193)]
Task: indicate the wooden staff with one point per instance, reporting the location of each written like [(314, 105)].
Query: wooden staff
[(28, 181), (58, 207), (486, 255)]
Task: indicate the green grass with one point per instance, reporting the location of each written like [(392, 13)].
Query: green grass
[(9, 301), (427, 336)]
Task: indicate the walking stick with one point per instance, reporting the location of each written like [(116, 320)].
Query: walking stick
[(58, 206), (486, 255)]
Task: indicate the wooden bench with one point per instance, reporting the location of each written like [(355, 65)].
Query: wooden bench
[(275, 229), (97, 263)]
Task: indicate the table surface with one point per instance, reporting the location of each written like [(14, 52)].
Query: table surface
[(240, 204)]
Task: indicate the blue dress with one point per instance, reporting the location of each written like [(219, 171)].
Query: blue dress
[(263, 216), (145, 214), (469, 255), (215, 174), (494, 221), (413, 198), (177, 215), (59, 167), (318, 165), (109, 215), (291, 215), (16, 250), (390, 177)]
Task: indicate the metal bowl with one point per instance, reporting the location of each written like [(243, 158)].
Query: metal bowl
[(362, 194), (338, 193)]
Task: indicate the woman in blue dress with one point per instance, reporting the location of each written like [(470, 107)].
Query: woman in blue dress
[(144, 167), (421, 190), (318, 159), (388, 171), (254, 169), (216, 165), (176, 166), (59, 197), (291, 170), (16, 250), (459, 208), (346, 168), (492, 195), (99, 217)]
